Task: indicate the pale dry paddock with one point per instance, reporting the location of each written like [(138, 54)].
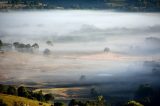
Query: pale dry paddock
[(23, 66)]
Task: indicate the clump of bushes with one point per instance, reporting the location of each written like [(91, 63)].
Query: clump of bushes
[(25, 92), (58, 104), (21, 47), (99, 101), (1, 43), (46, 52)]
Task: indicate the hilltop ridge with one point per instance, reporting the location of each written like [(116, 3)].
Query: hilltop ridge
[(120, 5)]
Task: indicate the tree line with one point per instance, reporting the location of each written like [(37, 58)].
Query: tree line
[(145, 95), (25, 92)]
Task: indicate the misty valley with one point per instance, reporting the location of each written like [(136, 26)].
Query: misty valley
[(80, 58)]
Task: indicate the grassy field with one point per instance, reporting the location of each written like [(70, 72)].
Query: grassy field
[(11, 100), (67, 93)]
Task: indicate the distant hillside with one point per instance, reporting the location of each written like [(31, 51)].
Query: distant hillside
[(106, 4), (125, 5), (77, 3), (11, 100)]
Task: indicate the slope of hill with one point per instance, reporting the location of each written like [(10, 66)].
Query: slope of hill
[(125, 5), (11, 100)]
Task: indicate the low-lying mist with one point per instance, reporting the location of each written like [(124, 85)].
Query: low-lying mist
[(103, 49)]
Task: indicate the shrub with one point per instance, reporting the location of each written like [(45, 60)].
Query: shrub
[(58, 104), (48, 97), (39, 96), (11, 90), (46, 52), (23, 92), (3, 88), (1, 43)]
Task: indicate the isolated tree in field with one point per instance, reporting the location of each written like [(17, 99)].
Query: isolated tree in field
[(46, 52), (11, 90), (106, 50), (49, 43), (1, 44)]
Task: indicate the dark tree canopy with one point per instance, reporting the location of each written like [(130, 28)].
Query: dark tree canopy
[(22, 91), (58, 104), (11, 90), (73, 102), (1, 43), (48, 97), (3, 88), (144, 91), (39, 96)]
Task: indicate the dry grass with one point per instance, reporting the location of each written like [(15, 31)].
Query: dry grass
[(67, 93), (10, 100)]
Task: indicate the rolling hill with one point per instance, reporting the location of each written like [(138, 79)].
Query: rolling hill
[(11, 100)]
